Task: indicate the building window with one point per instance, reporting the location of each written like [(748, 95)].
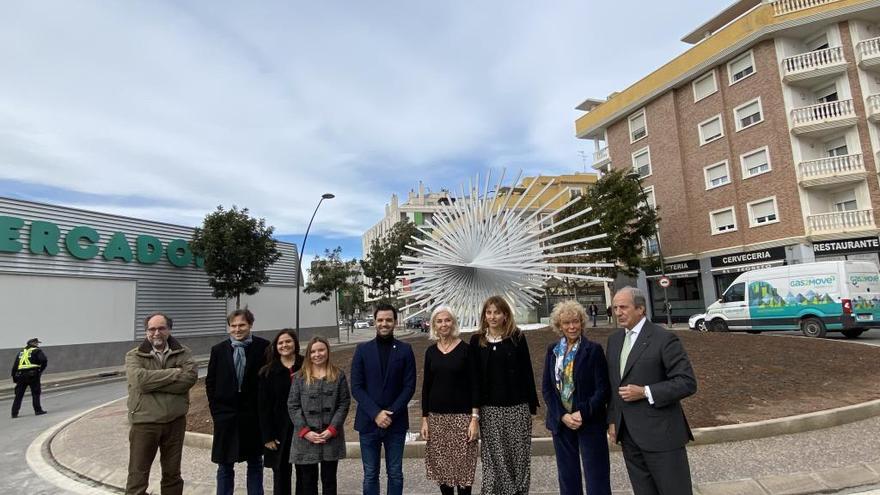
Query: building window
[(836, 147), (844, 201), (638, 127), (649, 197), (755, 162), (749, 114), (575, 192), (717, 175), (710, 130), (652, 247), (705, 86), (741, 67), (722, 221), (826, 94), (641, 161), (762, 212)]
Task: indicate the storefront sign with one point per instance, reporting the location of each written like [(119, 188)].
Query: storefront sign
[(676, 269), (751, 260), (80, 242), (842, 246)]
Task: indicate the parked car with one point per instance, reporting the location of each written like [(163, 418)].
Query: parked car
[(361, 324), (698, 322), (414, 322), (811, 297)]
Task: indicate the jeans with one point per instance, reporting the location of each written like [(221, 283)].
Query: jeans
[(371, 444), (226, 477)]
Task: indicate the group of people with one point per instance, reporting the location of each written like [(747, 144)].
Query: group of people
[(273, 407)]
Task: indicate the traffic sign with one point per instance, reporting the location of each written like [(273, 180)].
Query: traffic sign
[(664, 281)]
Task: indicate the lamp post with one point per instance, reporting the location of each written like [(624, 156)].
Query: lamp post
[(667, 309), (302, 251)]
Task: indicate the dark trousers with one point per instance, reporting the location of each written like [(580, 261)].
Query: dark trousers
[(450, 490), (587, 446), (20, 386), (143, 441), (655, 473), (309, 473), (226, 476)]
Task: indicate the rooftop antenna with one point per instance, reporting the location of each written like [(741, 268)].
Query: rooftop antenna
[(584, 158)]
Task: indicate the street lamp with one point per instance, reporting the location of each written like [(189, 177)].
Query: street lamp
[(636, 177), (302, 251)]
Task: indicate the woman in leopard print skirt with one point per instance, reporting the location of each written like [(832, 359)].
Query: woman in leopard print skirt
[(449, 414), (508, 399)]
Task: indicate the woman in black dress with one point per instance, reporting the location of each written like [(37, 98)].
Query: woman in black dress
[(282, 361), (508, 399), (450, 417)]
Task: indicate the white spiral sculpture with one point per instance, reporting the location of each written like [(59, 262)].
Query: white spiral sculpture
[(480, 245)]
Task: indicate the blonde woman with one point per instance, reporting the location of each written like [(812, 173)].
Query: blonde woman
[(450, 417), (508, 399), (318, 404), (576, 393)]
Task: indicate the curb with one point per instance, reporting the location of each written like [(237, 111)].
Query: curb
[(543, 446)]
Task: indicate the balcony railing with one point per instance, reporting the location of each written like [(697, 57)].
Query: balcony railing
[(873, 107), (822, 112), (601, 155), (841, 221), (832, 165), (868, 48), (814, 60), (782, 7)]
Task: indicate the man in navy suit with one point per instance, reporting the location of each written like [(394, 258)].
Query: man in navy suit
[(650, 374), (383, 380)]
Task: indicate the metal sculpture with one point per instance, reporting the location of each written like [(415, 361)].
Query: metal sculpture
[(479, 244)]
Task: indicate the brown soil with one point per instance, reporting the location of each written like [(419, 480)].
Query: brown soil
[(741, 378)]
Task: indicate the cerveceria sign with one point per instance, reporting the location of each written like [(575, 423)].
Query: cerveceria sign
[(82, 243)]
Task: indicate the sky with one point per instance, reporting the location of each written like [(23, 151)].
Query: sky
[(163, 110)]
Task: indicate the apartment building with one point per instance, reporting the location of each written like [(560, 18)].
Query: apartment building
[(759, 144)]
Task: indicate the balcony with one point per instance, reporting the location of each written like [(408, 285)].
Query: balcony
[(782, 7), (823, 117), (869, 53), (812, 67), (601, 158), (872, 108), (841, 221), (832, 170)]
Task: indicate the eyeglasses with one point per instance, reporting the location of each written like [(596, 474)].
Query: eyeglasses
[(156, 329)]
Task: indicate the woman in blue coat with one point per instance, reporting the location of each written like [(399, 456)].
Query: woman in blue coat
[(576, 392)]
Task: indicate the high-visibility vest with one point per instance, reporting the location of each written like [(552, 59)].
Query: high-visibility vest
[(24, 359)]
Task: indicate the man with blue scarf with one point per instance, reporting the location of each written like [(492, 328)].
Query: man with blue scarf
[(231, 385)]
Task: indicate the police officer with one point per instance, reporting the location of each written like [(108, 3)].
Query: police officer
[(26, 371)]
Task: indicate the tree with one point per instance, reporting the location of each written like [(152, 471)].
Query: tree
[(332, 273), (238, 251), (620, 204), (381, 265)]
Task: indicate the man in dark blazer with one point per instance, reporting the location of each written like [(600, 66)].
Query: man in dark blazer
[(232, 385), (383, 380), (650, 374)]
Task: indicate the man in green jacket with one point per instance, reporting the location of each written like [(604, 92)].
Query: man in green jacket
[(160, 373)]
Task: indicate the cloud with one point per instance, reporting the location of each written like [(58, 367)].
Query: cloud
[(187, 105)]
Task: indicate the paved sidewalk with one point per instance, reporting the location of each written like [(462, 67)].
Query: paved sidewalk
[(822, 461)]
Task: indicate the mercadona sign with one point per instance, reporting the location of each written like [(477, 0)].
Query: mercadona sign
[(81, 242)]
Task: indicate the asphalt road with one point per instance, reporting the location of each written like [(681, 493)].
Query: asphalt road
[(17, 434)]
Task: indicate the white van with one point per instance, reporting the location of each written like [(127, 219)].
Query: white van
[(811, 297)]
